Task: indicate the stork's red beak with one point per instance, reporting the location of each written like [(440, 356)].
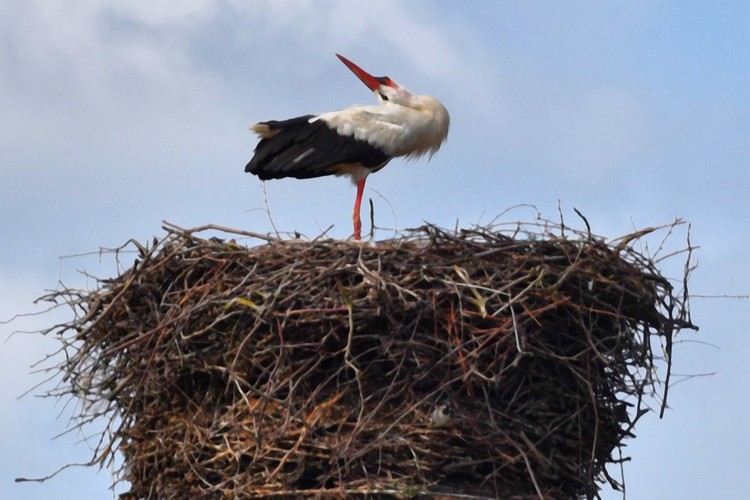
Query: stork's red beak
[(372, 82)]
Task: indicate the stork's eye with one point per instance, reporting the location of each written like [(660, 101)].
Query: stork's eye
[(383, 96)]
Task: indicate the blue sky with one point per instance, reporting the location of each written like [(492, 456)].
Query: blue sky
[(118, 115)]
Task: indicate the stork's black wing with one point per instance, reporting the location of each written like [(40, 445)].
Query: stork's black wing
[(300, 149)]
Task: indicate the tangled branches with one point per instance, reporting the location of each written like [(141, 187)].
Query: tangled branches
[(476, 364)]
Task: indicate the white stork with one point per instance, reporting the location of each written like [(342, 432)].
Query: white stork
[(355, 141)]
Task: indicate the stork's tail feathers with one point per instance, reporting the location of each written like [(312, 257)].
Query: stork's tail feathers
[(280, 149)]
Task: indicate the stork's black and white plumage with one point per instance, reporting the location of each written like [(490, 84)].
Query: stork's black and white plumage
[(355, 141)]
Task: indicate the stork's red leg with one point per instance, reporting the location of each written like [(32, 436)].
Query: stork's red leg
[(357, 205)]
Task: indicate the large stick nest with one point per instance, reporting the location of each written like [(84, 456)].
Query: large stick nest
[(474, 364)]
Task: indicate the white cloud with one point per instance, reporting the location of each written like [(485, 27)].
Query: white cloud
[(83, 49), (164, 12), (385, 35)]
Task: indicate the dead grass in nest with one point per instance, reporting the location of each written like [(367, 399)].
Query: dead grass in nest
[(480, 363)]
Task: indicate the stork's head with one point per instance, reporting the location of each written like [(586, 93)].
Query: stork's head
[(384, 88), (434, 117)]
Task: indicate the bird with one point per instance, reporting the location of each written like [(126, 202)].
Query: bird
[(355, 141)]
